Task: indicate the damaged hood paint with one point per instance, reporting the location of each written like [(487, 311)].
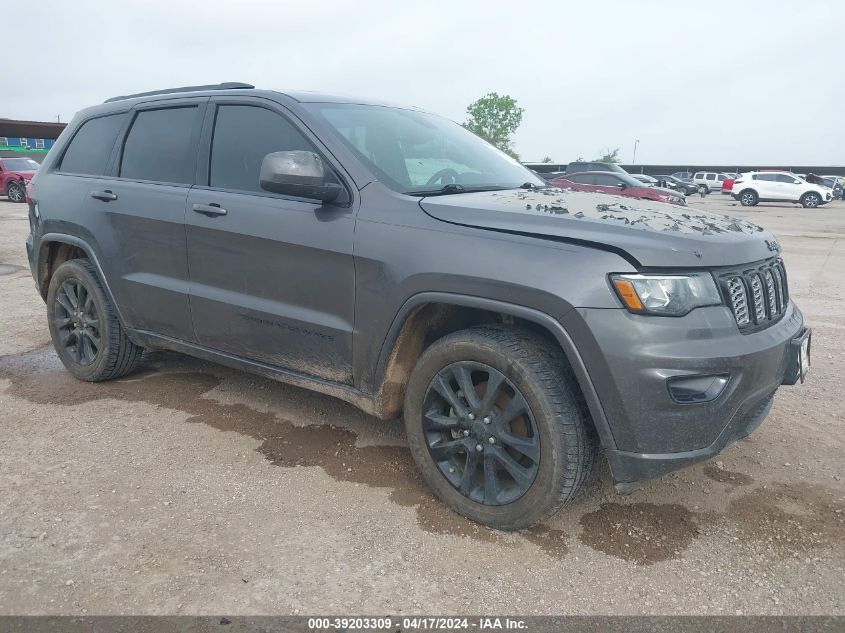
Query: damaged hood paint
[(652, 233)]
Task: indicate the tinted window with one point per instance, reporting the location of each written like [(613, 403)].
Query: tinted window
[(699, 176), (91, 146), (159, 146), (243, 136), (606, 180), (711, 176), (767, 177), (788, 179), (583, 179), (721, 177)]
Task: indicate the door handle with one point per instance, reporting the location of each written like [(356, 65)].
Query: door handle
[(211, 210), (105, 196)]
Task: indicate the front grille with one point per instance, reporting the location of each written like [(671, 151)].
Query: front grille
[(758, 295)]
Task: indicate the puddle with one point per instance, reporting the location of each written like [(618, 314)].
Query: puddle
[(8, 269), (39, 378), (643, 533), (795, 517)]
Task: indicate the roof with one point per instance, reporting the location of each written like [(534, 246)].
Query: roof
[(30, 129), (239, 88)]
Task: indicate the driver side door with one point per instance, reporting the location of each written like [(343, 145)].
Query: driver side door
[(271, 276)]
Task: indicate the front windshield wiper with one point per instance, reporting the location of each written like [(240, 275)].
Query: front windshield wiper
[(531, 185), (453, 187)]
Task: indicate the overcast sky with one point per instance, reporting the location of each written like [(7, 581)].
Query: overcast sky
[(697, 82)]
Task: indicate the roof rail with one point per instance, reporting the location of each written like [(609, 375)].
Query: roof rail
[(228, 85)]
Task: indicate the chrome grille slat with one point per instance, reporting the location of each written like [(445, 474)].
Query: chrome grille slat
[(739, 302), (771, 294), (757, 296)]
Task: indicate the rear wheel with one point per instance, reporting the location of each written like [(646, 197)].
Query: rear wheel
[(15, 191), (496, 426), (84, 327), (748, 198), (811, 200)]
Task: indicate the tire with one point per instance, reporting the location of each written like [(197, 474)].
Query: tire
[(554, 427), (811, 200), (748, 198), (16, 191), (90, 342)]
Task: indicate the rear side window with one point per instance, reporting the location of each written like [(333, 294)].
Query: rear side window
[(711, 176), (90, 148), (159, 147), (606, 180), (243, 136)]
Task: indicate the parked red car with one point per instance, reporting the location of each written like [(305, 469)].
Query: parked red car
[(621, 184), (15, 174)]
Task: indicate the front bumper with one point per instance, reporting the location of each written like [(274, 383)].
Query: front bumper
[(631, 360)]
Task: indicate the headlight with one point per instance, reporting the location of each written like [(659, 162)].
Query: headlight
[(666, 295)]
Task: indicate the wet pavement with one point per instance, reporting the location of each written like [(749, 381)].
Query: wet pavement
[(191, 488)]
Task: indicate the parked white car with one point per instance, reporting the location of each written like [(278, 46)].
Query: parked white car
[(778, 186), (709, 180)]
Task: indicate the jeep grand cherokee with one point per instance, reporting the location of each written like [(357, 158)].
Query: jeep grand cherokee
[(390, 258)]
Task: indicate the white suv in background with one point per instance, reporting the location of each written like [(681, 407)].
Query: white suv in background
[(709, 180), (778, 186)]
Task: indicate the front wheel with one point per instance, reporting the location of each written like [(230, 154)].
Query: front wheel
[(811, 200), (16, 192), (496, 425)]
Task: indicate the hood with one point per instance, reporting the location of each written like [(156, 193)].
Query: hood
[(651, 234)]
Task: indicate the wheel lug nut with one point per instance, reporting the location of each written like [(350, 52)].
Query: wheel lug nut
[(492, 440), (487, 420), (466, 433), (471, 416), (479, 447)]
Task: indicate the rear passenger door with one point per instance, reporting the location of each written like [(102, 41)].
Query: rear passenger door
[(154, 173), (767, 186), (135, 212), (272, 276)]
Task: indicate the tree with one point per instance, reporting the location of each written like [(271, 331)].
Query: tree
[(548, 159), (609, 156), (495, 118)]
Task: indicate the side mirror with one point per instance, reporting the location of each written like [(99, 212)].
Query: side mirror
[(622, 185), (297, 173)]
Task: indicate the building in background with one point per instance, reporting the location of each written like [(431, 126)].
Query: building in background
[(32, 139)]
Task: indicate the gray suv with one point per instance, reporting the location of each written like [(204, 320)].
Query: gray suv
[(388, 257)]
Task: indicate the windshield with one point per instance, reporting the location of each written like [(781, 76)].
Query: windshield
[(628, 179), (20, 164), (414, 152)]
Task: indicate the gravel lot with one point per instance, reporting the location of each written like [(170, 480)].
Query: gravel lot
[(190, 488)]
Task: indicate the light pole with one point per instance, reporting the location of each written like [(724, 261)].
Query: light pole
[(636, 142)]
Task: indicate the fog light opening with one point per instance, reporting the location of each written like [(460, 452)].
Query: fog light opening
[(695, 389)]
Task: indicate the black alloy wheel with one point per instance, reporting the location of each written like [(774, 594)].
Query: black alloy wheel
[(77, 322), (481, 433)]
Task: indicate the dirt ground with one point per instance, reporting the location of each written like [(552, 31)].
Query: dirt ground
[(190, 488)]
